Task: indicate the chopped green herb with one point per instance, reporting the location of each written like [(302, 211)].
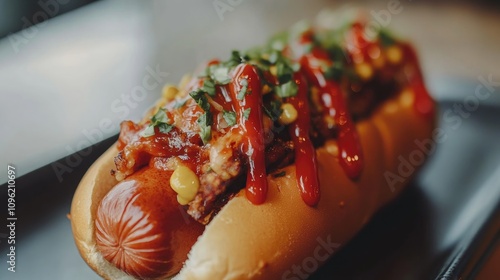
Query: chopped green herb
[(205, 122), (337, 53), (201, 99), (160, 120), (259, 57), (164, 128), (221, 75), (235, 59), (229, 117), (280, 174), (288, 89), (284, 67), (208, 87), (333, 72), (274, 110), (244, 89), (246, 113), (148, 131), (284, 72), (274, 56), (386, 38), (160, 117)]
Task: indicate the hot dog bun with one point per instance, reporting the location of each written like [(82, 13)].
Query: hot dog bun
[(282, 238)]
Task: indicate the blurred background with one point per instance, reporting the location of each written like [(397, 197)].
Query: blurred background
[(71, 70)]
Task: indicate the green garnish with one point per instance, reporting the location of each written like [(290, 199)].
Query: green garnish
[(205, 124), (235, 59), (201, 99), (284, 72), (244, 89), (284, 67), (159, 120), (334, 72), (274, 111), (220, 75), (386, 39), (246, 113), (274, 56), (287, 89), (208, 87), (205, 120), (229, 117)]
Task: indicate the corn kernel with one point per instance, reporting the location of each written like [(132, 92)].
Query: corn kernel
[(394, 54), (273, 70), (185, 183), (169, 92), (266, 89), (182, 201), (289, 114), (364, 70)]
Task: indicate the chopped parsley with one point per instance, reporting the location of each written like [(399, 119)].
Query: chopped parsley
[(386, 39), (235, 59), (208, 87), (287, 89), (229, 117), (246, 113), (205, 120), (274, 110), (159, 120), (284, 67), (201, 99), (220, 75), (334, 72), (284, 72), (205, 124), (244, 89)]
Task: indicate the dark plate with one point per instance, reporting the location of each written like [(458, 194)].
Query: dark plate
[(439, 228)]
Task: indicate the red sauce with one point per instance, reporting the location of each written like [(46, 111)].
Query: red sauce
[(357, 43), (424, 104), (350, 151), (305, 154), (252, 129)]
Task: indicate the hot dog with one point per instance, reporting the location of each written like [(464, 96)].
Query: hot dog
[(240, 171)]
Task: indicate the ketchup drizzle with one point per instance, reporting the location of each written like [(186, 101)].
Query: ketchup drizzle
[(252, 128), (350, 151), (423, 103), (305, 154)]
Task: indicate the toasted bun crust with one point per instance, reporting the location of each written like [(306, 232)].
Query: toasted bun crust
[(282, 238)]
